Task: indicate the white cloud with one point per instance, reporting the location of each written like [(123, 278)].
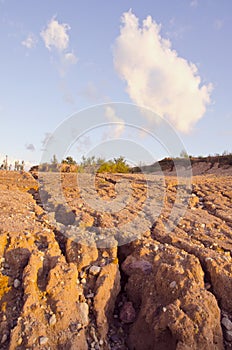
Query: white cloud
[(117, 129), (156, 76), (55, 35), (30, 41), (56, 40)]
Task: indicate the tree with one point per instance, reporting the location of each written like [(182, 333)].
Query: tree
[(69, 160)]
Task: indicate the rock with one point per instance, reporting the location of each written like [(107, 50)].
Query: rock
[(83, 311), (227, 323), (94, 270), (131, 264), (127, 313)]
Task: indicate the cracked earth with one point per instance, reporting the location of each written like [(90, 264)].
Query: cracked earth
[(145, 290)]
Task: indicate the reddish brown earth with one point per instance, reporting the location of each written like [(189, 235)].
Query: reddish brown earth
[(165, 290)]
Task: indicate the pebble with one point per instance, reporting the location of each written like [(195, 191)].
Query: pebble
[(172, 284), (79, 326), (227, 323), (52, 320), (43, 340), (94, 270), (208, 259), (16, 283), (83, 280)]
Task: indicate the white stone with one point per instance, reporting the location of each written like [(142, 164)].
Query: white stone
[(83, 309), (16, 283), (94, 270)]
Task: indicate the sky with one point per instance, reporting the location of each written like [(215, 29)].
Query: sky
[(59, 58)]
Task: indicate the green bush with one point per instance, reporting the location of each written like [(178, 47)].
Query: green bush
[(118, 165)]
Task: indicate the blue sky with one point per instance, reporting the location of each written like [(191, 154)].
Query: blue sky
[(58, 58)]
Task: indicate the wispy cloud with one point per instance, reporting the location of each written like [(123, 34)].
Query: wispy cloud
[(30, 41), (156, 76), (56, 40), (30, 147)]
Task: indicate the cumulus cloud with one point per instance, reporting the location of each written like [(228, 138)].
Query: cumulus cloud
[(56, 40), (156, 76), (55, 35), (117, 129), (30, 147), (30, 41)]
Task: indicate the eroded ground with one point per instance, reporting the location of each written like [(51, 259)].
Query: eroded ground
[(163, 290)]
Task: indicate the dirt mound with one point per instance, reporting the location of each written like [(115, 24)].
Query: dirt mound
[(216, 165), (164, 290)]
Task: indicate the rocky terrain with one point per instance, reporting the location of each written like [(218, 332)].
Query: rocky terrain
[(160, 290)]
